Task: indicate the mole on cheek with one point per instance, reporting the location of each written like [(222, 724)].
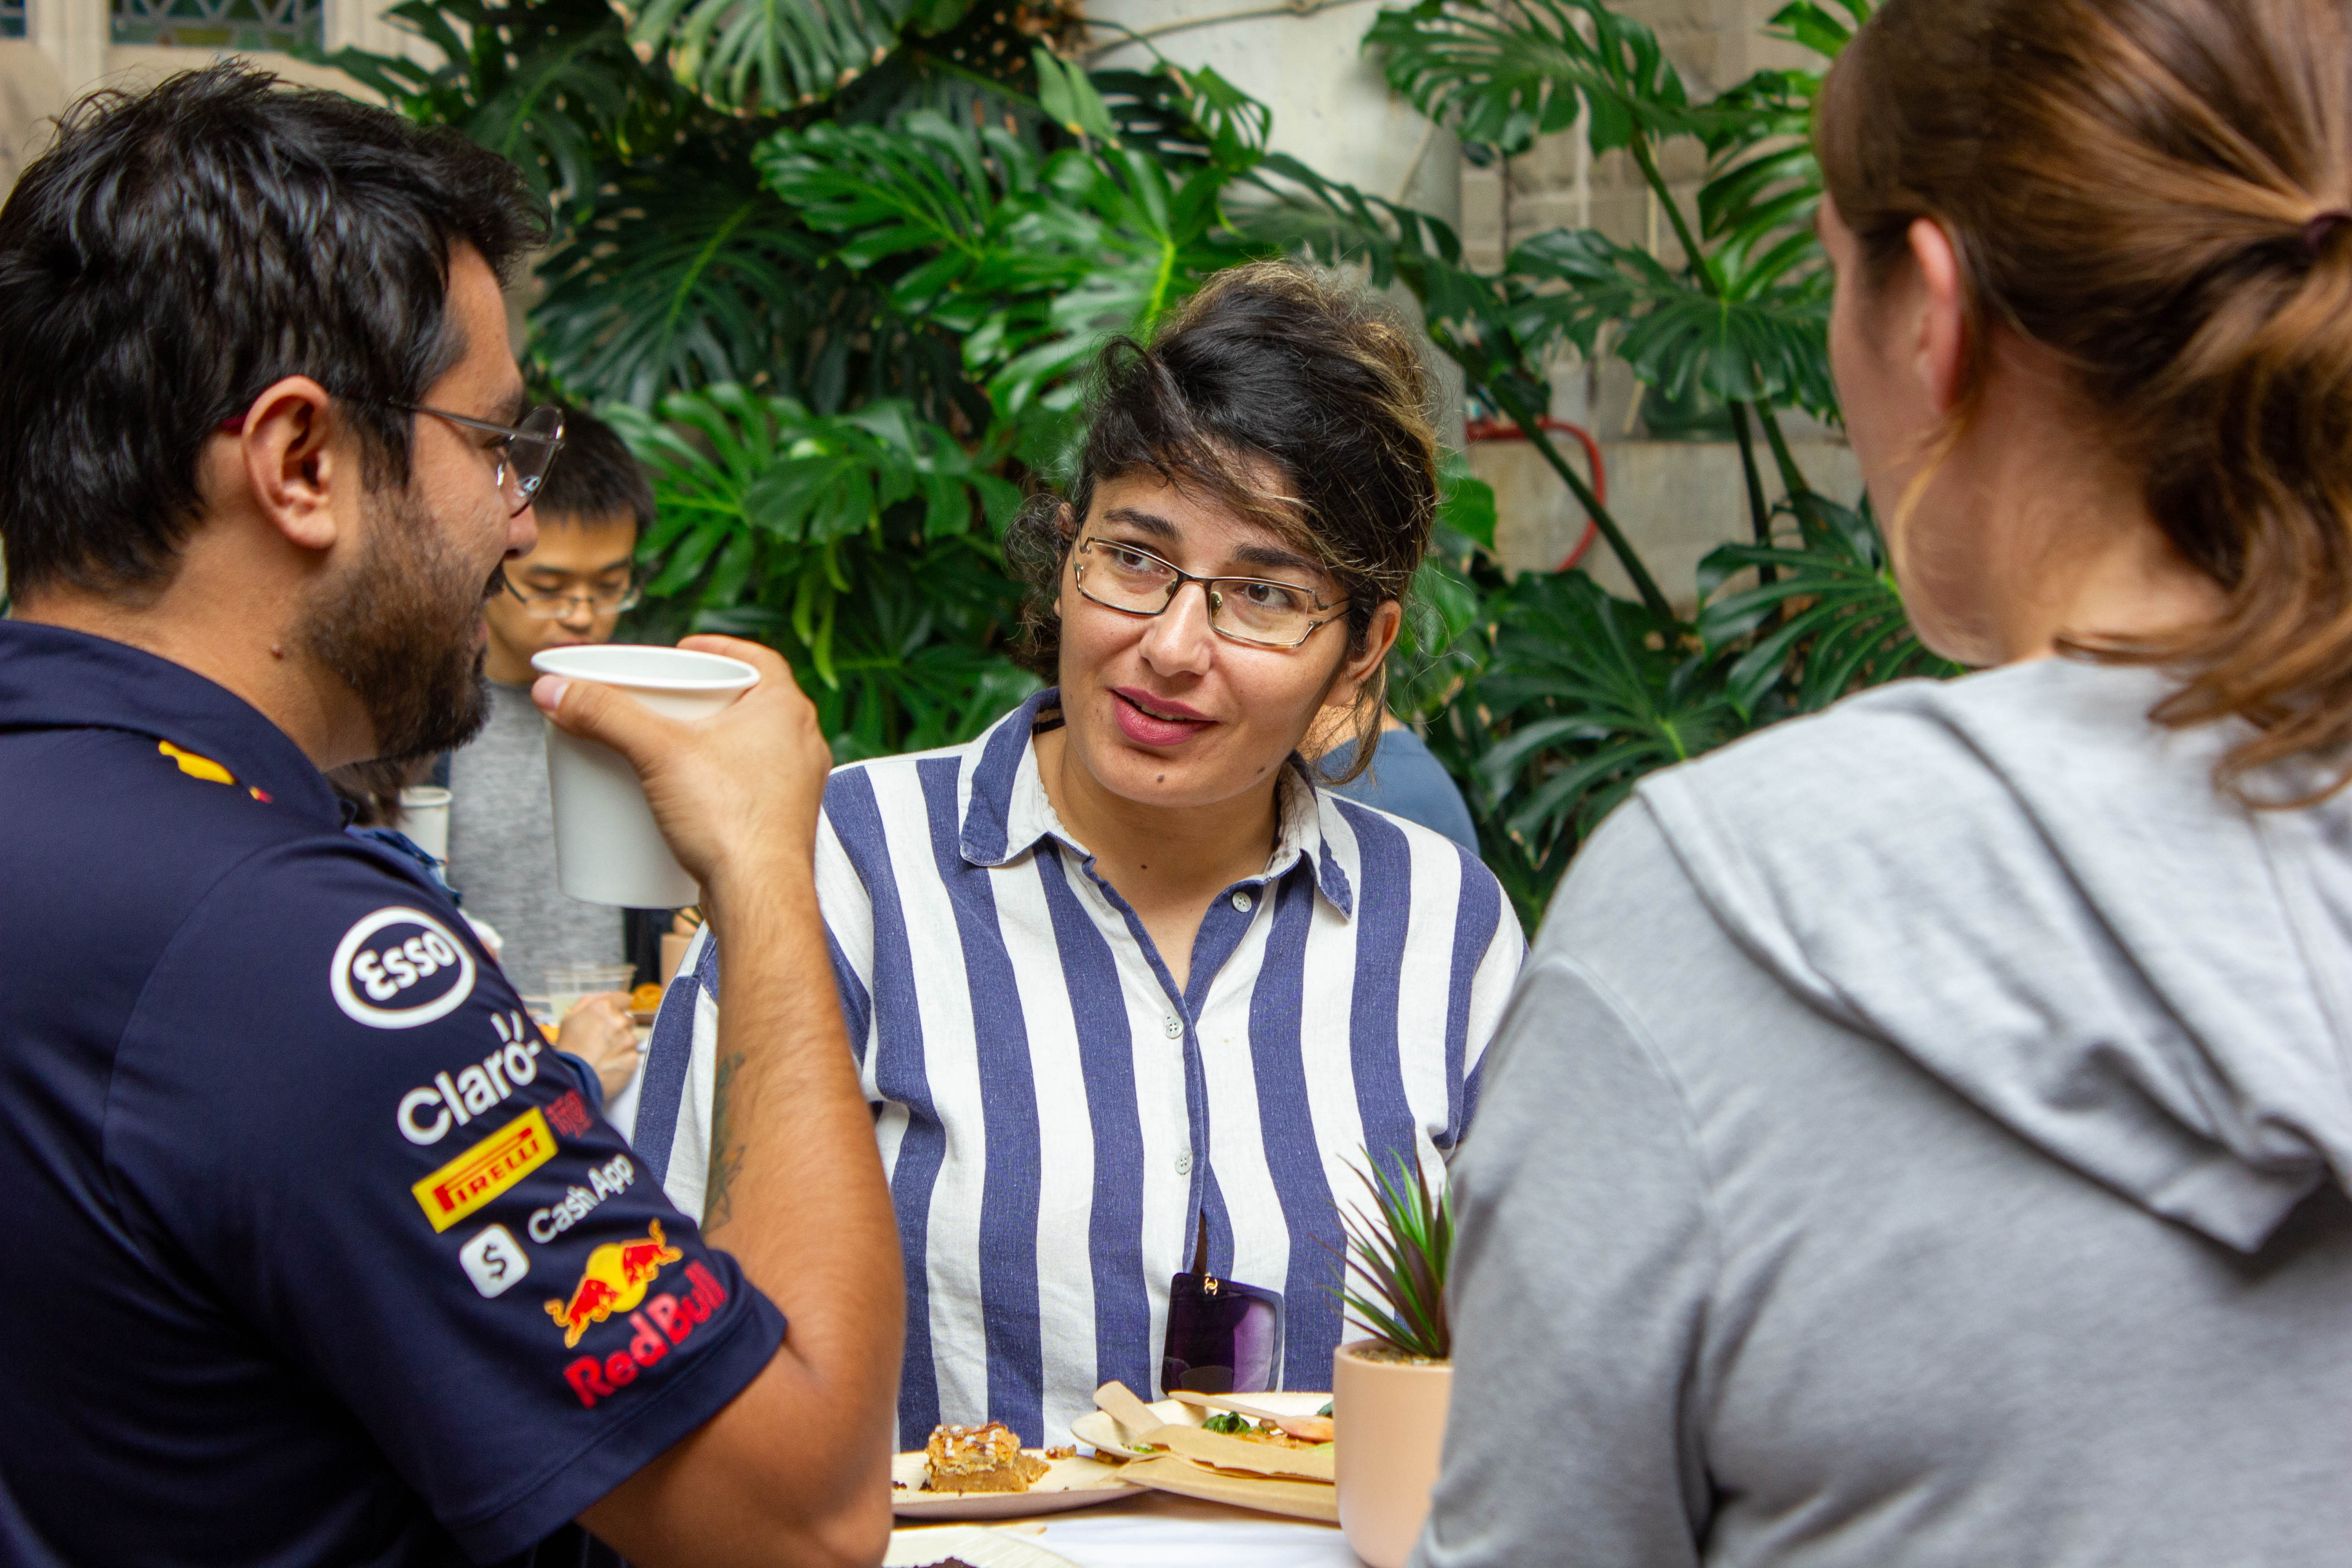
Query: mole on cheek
[(1159, 778)]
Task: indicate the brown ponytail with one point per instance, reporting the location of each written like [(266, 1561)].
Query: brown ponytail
[(2161, 192)]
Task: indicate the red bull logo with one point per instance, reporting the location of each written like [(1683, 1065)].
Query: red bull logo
[(666, 1320), (614, 1280)]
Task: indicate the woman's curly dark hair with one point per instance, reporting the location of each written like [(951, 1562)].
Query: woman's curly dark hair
[(1271, 372)]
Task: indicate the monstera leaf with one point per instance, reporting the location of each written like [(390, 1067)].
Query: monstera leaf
[(1840, 626), (770, 54), (1598, 693), (689, 277), (550, 85), (1503, 75), (1032, 260), (1771, 345)]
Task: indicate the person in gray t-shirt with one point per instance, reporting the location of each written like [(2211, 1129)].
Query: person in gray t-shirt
[(571, 589)]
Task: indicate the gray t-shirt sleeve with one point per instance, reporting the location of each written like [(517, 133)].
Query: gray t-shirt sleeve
[(1581, 1276)]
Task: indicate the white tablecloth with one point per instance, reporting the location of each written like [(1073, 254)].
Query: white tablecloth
[(1157, 1531)]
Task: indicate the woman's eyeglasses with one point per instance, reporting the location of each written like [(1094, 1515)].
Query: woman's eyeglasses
[(525, 454), (1253, 610), (555, 604)]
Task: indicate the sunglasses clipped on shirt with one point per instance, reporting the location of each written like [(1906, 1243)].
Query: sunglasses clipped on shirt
[(1222, 1337)]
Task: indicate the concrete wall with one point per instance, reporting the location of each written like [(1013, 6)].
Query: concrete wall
[(66, 53), (1676, 500)]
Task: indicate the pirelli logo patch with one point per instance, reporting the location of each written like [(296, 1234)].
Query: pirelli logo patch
[(486, 1170)]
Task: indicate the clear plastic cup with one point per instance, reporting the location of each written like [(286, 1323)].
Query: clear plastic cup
[(608, 849), (566, 985)]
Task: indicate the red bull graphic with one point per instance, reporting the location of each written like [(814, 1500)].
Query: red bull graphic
[(666, 1320), (614, 1280)]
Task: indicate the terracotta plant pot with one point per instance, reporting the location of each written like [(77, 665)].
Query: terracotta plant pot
[(1389, 1424)]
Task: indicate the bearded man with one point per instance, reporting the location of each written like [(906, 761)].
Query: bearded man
[(312, 1258)]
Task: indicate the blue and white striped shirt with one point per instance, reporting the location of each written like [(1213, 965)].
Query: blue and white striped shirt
[(1058, 1117)]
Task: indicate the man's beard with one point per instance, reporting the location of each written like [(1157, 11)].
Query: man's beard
[(399, 629)]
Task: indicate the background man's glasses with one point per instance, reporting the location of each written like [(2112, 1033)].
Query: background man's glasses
[(1253, 610), (524, 456), (555, 604)]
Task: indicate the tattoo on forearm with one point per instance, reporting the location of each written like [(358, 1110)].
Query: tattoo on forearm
[(726, 1153)]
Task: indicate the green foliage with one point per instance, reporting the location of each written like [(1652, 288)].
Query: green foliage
[(1827, 621), (1560, 698), (773, 55), (1504, 75), (1758, 347), (836, 269), (1398, 1256), (550, 84), (860, 544), (687, 276), (1607, 692)]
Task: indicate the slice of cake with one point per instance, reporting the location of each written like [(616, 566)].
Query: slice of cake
[(978, 1459)]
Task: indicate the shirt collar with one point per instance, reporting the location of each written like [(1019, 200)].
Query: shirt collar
[(53, 679), (1005, 812)]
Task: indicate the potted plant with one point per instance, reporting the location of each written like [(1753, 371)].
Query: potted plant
[(1389, 1393)]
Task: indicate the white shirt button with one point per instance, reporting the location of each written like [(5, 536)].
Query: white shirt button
[(1183, 1164), (1242, 902), (1175, 1027)]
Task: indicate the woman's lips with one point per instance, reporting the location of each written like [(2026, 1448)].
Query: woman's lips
[(1148, 720)]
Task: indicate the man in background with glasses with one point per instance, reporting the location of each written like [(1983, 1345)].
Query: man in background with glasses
[(570, 589)]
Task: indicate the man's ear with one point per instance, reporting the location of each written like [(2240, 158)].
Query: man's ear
[(288, 460), (1379, 637)]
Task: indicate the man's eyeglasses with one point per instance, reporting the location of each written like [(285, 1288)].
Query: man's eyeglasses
[(554, 603), (525, 455), (1253, 610)]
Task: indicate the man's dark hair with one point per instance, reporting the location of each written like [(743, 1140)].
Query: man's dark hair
[(594, 478), (174, 253)]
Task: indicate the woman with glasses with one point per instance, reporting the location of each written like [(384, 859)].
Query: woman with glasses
[(1131, 990), (571, 589)]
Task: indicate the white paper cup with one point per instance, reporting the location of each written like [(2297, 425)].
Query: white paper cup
[(425, 817), (608, 849)]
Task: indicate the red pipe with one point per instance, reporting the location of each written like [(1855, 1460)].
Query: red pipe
[(1503, 430)]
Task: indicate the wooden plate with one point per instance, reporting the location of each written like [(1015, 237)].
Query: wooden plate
[(1097, 1430), (1067, 1484), (1316, 1501)]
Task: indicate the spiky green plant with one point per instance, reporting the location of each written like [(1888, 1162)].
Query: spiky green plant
[(1399, 1258)]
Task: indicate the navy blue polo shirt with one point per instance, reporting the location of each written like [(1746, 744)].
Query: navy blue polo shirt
[(310, 1251)]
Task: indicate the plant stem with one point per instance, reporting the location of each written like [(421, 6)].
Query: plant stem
[(1760, 509), (1696, 259), (1792, 478), (1526, 419)]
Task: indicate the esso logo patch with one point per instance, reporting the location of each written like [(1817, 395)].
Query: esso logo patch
[(399, 968)]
